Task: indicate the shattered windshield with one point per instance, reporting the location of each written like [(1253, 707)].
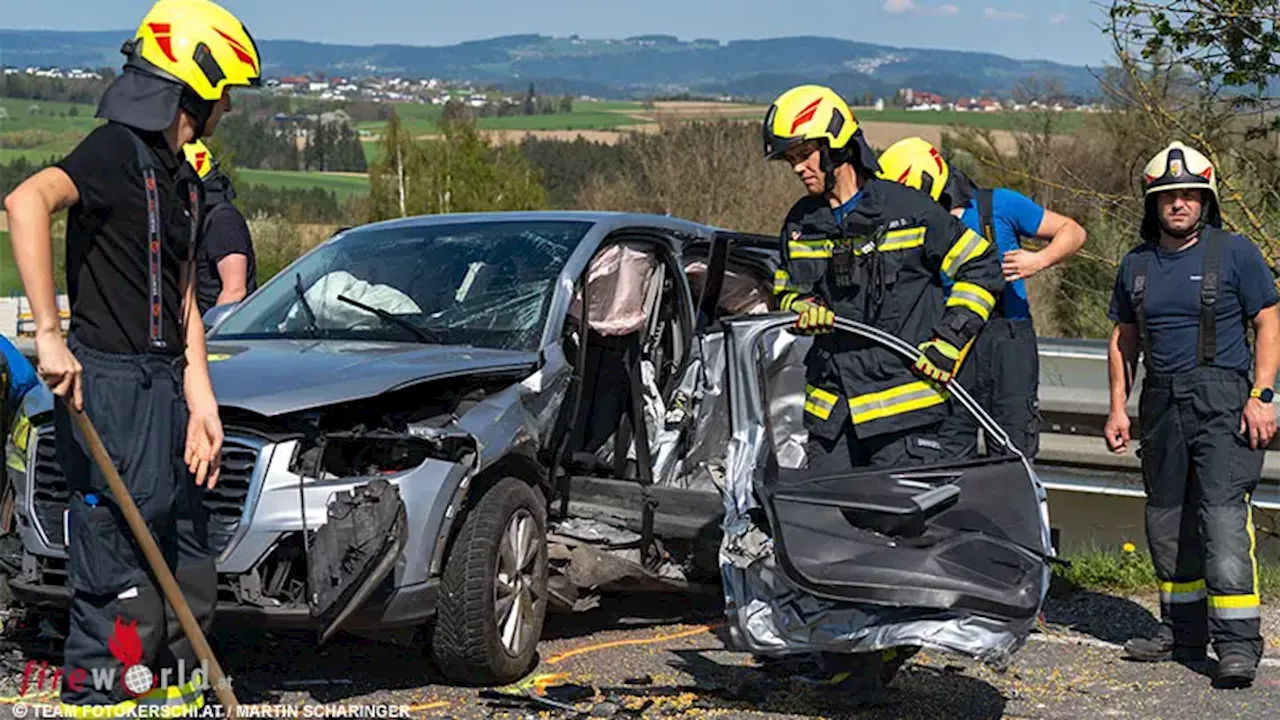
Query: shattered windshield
[(483, 284)]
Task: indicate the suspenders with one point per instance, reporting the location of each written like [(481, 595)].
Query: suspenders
[(1207, 348), (155, 245)]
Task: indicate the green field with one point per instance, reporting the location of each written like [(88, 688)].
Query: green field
[(1015, 121), (55, 117), (420, 119), (343, 185), (10, 282)]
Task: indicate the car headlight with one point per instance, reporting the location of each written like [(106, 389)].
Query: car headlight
[(19, 441)]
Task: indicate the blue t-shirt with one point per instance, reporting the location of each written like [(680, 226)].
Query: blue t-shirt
[(846, 207), (1014, 216), (22, 375), (1173, 301)]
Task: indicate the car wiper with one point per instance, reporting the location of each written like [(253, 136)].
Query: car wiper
[(426, 335), (306, 306)]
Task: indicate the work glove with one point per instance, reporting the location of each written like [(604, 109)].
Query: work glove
[(938, 360), (815, 318)]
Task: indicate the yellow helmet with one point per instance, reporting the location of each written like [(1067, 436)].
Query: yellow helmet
[(808, 112), (198, 44), (916, 163), (199, 157)]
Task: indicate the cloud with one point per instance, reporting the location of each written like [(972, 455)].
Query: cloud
[(911, 6), (994, 14), (1058, 19)]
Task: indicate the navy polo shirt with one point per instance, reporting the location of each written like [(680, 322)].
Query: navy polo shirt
[(1173, 300)]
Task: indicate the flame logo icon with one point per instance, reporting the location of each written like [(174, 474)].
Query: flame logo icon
[(126, 646)]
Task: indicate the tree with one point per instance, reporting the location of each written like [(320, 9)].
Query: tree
[(530, 101), (1218, 58), (566, 105), (458, 173), (391, 181)]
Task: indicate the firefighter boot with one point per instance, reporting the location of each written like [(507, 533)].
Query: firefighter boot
[(1161, 647), (1235, 670)]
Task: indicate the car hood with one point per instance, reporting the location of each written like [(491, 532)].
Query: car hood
[(273, 377)]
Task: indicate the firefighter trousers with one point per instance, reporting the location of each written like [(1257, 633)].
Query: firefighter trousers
[(1200, 474), (1002, 372), (919, 446), (119, 619)]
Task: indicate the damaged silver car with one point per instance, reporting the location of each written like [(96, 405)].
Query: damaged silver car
[(438, 428)]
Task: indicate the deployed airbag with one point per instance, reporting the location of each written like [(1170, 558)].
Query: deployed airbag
[(617, 287)]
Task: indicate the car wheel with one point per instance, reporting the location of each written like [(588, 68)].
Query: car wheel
[(493, 596)]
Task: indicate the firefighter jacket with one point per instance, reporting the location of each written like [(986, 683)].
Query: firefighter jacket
[(883, 267)]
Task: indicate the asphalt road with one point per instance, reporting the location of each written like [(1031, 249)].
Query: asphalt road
[(668, 657)]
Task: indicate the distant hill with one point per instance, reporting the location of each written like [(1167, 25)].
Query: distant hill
[(641, 66)]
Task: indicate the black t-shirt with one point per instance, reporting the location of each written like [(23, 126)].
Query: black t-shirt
[(107, 259), (225, 233), (1173, 300)]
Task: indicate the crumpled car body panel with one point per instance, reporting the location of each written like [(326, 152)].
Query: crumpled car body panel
[(771, 608)]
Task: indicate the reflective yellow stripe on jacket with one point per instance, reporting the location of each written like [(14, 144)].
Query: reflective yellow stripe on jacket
[(972, 297), (903, 239), (876, 405), (810, 249), (969, 246), (896, 401), (819, 402)]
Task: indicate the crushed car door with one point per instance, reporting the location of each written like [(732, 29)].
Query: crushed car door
[(965, 538)]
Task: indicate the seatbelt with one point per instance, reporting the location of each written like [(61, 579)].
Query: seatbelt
[(1210, 281), (155, 241)]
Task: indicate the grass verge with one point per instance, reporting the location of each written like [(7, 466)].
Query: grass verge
[(343, 185), (1125, 572)]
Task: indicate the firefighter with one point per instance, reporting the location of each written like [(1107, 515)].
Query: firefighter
[(226, 271), (1002, 368), (1183, 300), (135, 359), (874, 252)]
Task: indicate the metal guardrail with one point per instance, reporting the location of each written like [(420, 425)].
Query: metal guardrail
[(25, 325), (1075, 400)]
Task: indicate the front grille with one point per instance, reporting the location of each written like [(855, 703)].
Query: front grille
[(225, 502)]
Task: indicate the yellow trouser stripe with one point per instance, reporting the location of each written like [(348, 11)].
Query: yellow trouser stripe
[(973, 297), (158, 703), (904, 239), (1234, 601), (969, 246), (895, 401), (810, 249), (819, 402), (1253, 539), (1182, 592)]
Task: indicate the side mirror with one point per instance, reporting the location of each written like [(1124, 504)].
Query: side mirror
[(215, 314)]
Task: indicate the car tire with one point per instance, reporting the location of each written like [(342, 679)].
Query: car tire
[(476, 640)]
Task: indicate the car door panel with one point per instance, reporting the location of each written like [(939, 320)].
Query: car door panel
[(962, 546)]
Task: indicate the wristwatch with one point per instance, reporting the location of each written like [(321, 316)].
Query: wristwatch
[(1263, 394)]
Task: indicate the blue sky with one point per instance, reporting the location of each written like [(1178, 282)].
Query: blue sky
[(1060, 30)]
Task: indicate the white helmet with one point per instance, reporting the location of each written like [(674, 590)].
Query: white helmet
[(1177, 167)]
